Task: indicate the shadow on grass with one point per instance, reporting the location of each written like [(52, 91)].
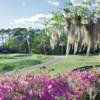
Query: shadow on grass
[(96, 54), (23, 55), (86, 68), (6, 57)]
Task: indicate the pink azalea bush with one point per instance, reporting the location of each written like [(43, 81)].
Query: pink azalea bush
[(42, 87)]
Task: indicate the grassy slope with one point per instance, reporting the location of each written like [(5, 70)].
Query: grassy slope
[(9, 62), (70, 63)]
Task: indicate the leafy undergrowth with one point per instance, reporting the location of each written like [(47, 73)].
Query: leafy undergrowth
[(71, 86)]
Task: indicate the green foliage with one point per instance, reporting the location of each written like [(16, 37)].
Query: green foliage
[(61, 98), (86, 97), (98, 11)]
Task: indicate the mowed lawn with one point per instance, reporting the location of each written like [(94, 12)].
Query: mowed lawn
[(69, 63), (9, 62)]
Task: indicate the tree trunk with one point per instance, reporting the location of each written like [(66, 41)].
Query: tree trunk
[(29, 48)]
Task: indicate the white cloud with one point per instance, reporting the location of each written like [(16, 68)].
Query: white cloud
[(54, 2), (34, 21)]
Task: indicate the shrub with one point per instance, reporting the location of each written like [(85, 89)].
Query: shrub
[(73, 85)]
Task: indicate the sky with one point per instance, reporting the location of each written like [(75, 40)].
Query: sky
[(26, 13)]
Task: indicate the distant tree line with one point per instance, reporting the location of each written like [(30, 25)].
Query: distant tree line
[(22, 40)]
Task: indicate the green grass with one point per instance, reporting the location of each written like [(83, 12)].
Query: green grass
[(9, 62), (69, 63)]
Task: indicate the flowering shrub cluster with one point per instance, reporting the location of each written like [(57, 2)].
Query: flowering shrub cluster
[(42, 87)]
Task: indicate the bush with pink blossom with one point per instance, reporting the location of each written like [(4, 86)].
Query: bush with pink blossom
[(69, 86)]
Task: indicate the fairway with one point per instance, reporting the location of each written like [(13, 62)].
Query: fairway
[(69, 63), (9, 62)]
